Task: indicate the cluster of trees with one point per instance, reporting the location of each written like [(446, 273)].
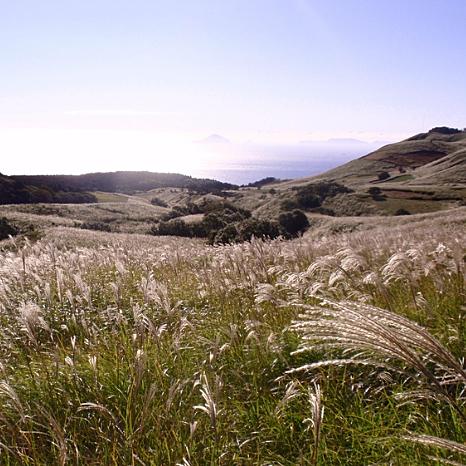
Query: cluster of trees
[(126, 182), (263, 182), (17, 191), (445, 130), (311, 197), (233, 225), (158, 202)]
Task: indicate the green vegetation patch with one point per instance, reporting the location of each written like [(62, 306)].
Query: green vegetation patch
[(414, 206), (103, 197), (131, 349), (400, 178)]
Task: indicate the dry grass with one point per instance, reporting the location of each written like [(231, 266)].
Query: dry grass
[(132, 349)]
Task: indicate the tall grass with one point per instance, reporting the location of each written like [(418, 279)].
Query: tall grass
[(126, 349)]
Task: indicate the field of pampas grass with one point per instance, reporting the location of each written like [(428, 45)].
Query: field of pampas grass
[(341, 349)]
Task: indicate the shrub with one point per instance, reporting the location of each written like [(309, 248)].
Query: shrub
[(288, 204), (244, 231), (174, 227), (158, 202), (376, 193), (96, 226), (312, 195), (259, 228), (294, 222), (384, 176), (402, 212), (174, 213), (228, 234), (6, 229)]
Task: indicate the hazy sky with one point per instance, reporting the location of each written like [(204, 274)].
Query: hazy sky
[(95, 76)]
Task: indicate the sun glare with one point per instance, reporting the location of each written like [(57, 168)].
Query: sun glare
[(85, 151)]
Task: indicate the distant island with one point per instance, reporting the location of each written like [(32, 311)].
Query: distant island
[(213, 139), (336, 141)]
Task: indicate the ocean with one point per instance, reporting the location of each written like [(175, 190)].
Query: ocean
[(245, 163)]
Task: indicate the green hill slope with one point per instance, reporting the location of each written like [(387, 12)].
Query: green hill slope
[(438, 157)]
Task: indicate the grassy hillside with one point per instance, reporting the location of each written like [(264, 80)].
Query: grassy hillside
[(403, 160), (424, 173), (343, 346)]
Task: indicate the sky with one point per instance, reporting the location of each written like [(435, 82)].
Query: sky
[(100, 85)]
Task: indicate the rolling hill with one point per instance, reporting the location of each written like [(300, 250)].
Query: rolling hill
[(433, 158), (423, 174)]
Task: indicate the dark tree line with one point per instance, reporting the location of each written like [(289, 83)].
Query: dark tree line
[(18, 191), (126, 182)]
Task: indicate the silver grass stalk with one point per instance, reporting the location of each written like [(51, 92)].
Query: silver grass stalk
[(437, 442), (145, 412), (8, 390), (317, 410), (292, 391), (211, 399), (357, 327), (58, 432), (444, 461), (90, 406), (30, 316)]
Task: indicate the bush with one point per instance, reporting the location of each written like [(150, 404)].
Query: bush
[(245, 230), (6, 229), (376, 193), (96, 226), (174, 213), (158, 202), (384, 176), (402, 212), (294, 223), (312, 195), (259, 228), (289, 205), (174, 227), (228, 234)]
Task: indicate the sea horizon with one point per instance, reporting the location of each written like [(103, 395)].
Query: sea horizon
[(246, 163)]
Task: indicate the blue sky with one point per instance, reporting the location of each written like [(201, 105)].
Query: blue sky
[(75, 73)]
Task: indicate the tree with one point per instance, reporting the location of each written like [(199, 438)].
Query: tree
[(376, 193), (294, 222)]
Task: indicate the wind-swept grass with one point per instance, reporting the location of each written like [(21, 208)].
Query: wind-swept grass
[(127, 349)]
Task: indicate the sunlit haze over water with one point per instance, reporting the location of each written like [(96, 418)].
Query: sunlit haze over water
[(82, 151)]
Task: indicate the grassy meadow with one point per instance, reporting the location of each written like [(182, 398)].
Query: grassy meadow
[(342, 347)]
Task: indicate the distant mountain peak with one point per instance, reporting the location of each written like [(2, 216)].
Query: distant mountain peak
[(213, 139)]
